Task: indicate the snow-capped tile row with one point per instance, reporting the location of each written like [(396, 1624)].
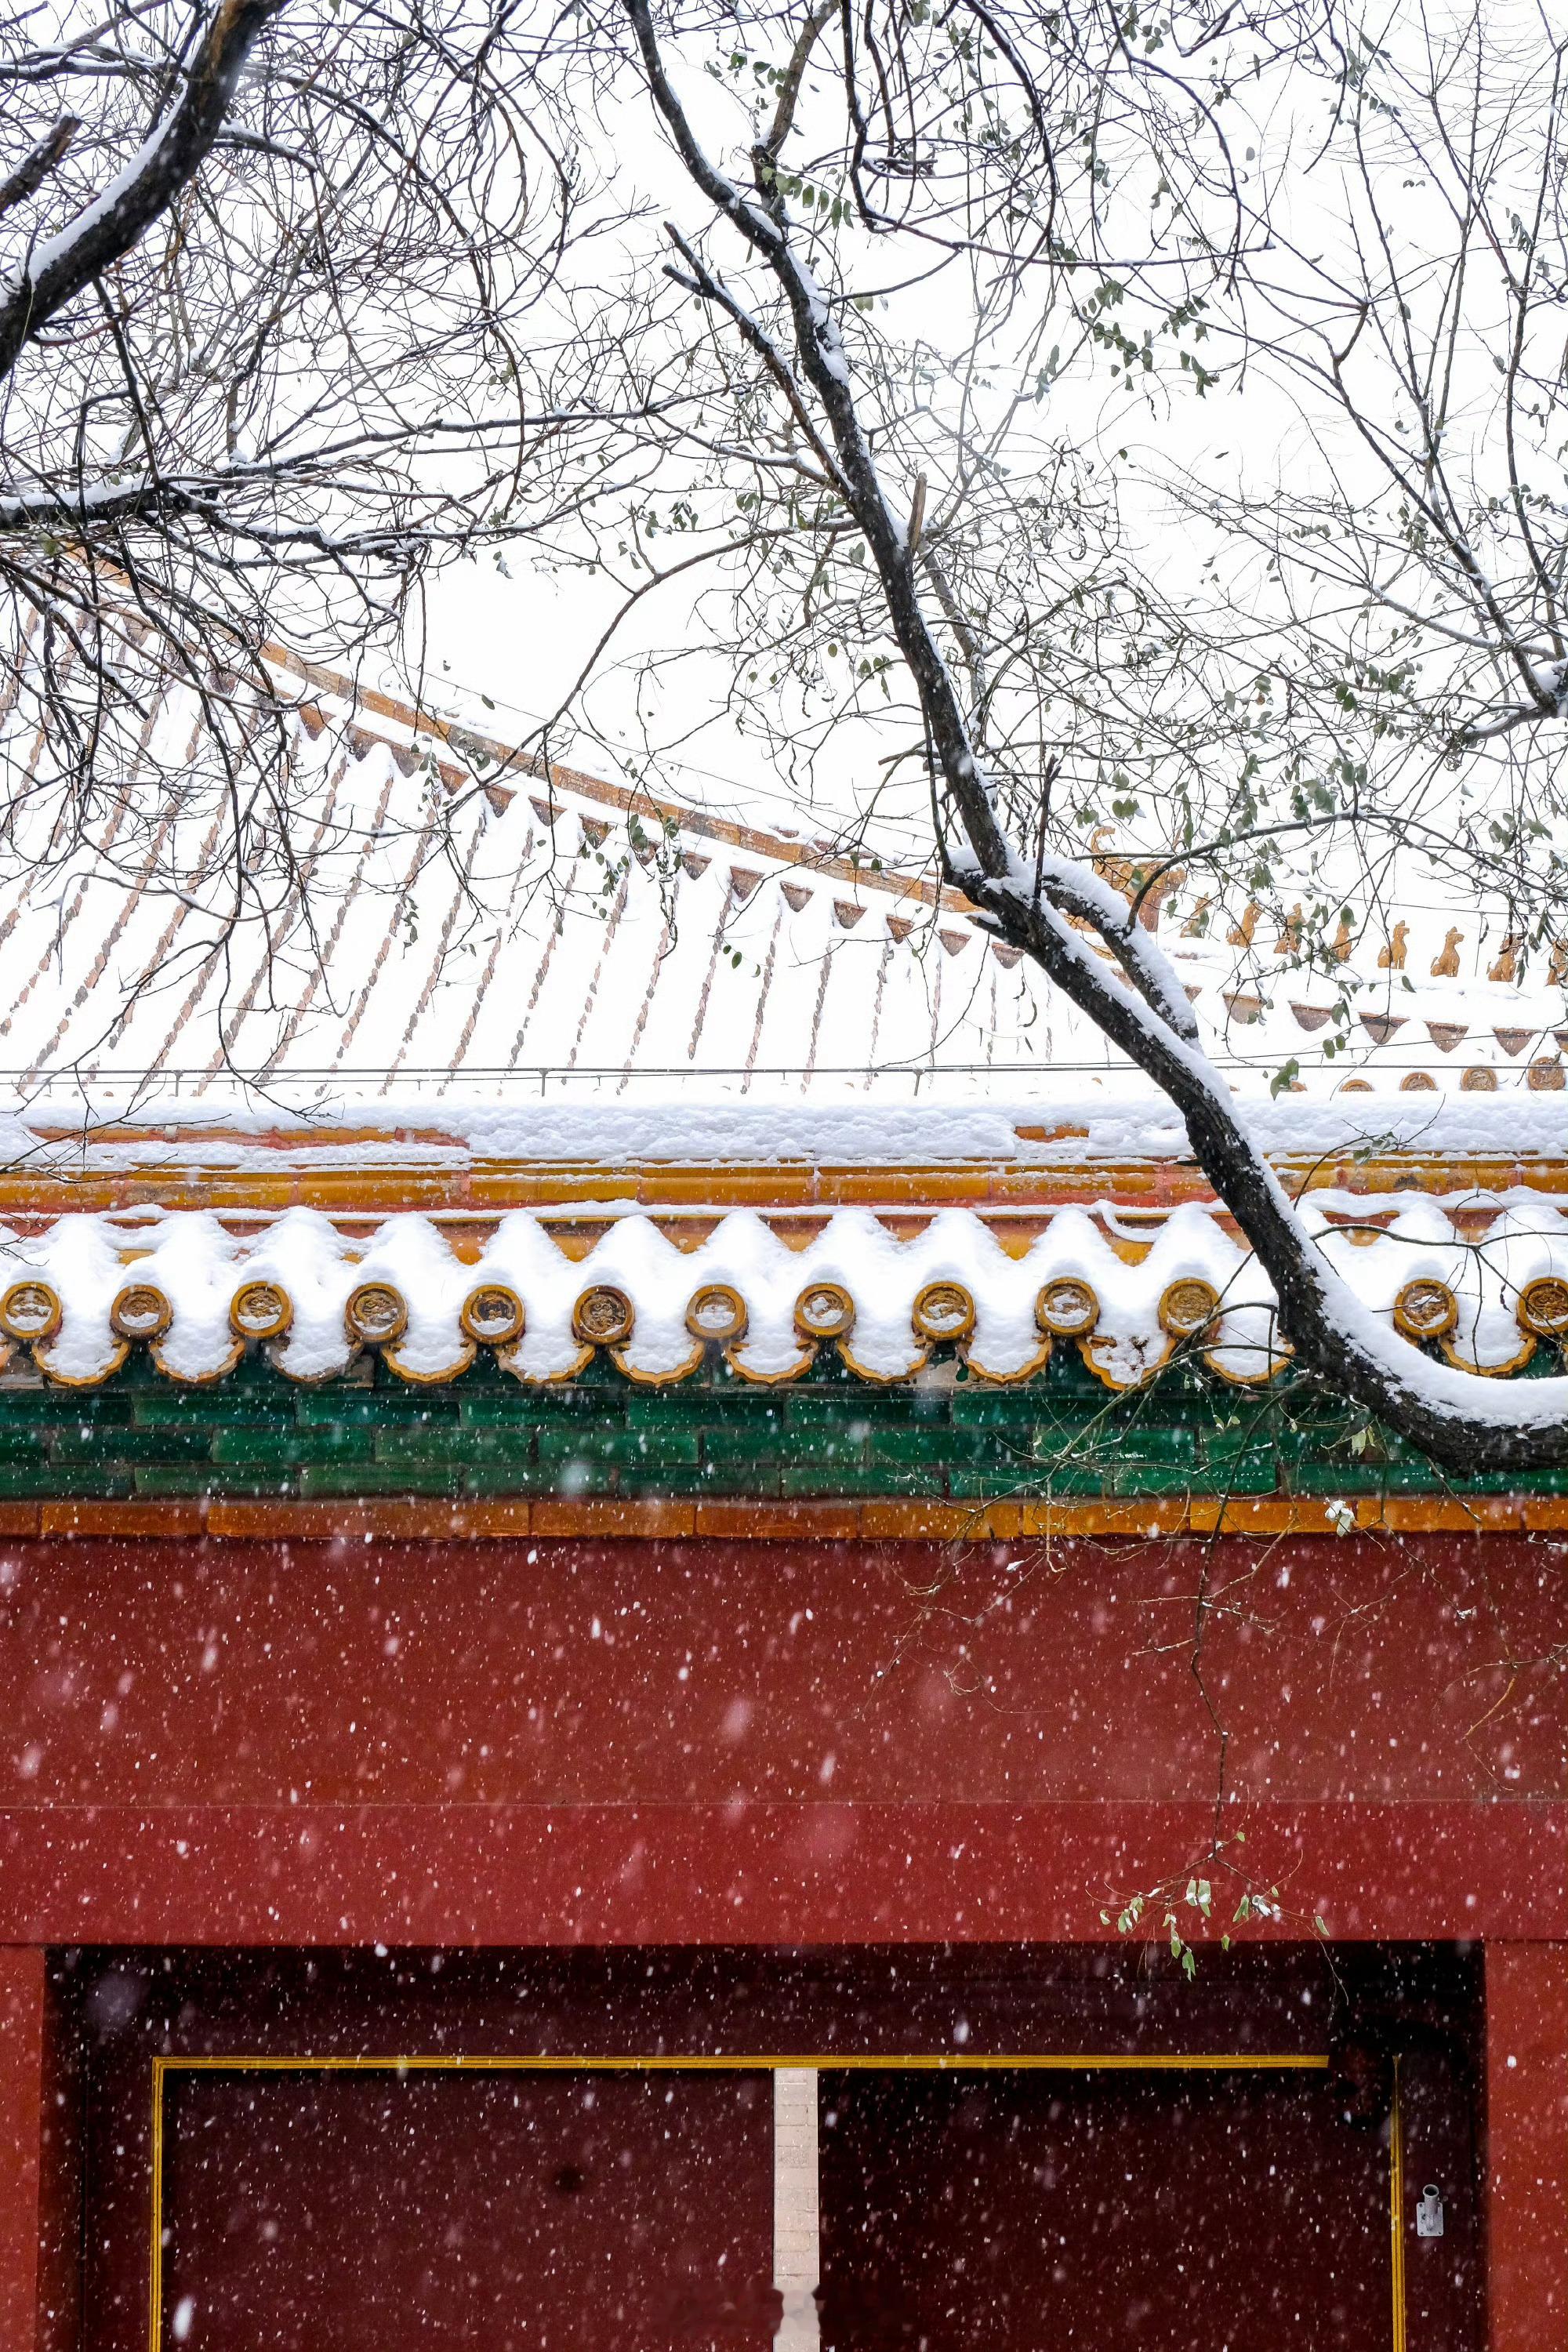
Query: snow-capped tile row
[(1486, 1283)]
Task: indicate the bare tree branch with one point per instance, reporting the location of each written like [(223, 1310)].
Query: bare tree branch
[(1033, 904), (56, 271), (35, 168)]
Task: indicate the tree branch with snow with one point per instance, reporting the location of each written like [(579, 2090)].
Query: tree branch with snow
[(1056, 910), (54, 271)]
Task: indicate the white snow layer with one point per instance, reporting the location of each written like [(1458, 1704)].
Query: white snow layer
[(1057, 1127), (196, 1266)]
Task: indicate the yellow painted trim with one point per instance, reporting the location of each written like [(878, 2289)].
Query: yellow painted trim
[(155, 2251), (738, 1519), (880, 1380), (938, 2062), (507, 1358), (76, 1381), (933, 2061), (1278, 1363), (1026, 1372), (277, 1352), (758, 2063), (196, 1379), (658, 1380), (1396, 2209), (1094, 1346), (392, 1358), (449, 1178), (734, 1356), (1490, 1371)]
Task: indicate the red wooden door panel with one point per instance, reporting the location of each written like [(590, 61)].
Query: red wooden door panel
[(1038, 2211), (327, 2210)]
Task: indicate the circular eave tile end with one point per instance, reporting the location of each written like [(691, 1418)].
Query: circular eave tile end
[(1424, 1309), (30, 1311), (717, 1312), (141, 1311), (604, 1316), (1067, 1308), (376, 1314), (1543, 1306), (492, 1316), (825, 1311), (1188, 1307), (260, 1310), (943, 1310)]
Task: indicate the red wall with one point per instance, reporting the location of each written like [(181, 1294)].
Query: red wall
[(523, 1744), (1527, 2144), (22, 2076)]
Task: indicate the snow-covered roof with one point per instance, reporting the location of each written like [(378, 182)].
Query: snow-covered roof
[(559, 940), (898, 1301)]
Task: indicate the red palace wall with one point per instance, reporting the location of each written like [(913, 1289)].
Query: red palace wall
[(635, 1742), (212, 1744)]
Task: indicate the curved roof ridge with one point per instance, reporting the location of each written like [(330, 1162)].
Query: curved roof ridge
[(625, 798)]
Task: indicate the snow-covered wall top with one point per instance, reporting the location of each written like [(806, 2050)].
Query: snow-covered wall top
[(63, 1135), (1485, 1282)]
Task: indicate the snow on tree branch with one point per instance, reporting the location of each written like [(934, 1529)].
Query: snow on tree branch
[(1032, 903), (54, 271)]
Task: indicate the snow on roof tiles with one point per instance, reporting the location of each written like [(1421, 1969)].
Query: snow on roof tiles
[(566, 938), (1128, 1290)]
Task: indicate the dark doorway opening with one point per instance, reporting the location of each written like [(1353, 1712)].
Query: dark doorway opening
[(356, 2208), (1219, 2210), (484, 2200)]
